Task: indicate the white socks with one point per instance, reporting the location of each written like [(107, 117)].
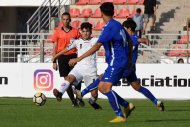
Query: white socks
[(64, 86)]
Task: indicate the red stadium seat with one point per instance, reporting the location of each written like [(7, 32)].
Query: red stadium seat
[(123, 13), (119, 2), (115, 13), (92, 22), (86, 13), (107, 1), (76, 24), (74, 12), (141, 1), (50, 38), (99, 25), (132, 1), (183, 40), (82, 2), (97, 13), (95, 2), (175, 51)]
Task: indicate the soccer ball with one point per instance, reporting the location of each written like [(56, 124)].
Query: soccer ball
[(39, 99)]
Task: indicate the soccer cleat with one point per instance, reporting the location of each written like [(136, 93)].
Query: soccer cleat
[(128, 110), (80, 102), (95, 105), (57, 94), (118, 119), (75, 104), (160, 105)]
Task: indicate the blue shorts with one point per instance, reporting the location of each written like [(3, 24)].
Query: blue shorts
[(113, 74), (130, 75)]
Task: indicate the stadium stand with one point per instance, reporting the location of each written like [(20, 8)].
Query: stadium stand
[(97, 13), (86, 13), (99, 25), (107, 1), (120, 2), (95, 2), (132, 1), (82, 2), (76, 24), (74, 12), (123, 13)]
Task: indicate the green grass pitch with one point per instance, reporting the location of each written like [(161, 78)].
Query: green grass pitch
[(18, 112)]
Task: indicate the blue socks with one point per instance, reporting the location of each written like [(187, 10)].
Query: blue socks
[(148, 94), (115, 100), (121, 101), (91, 87)]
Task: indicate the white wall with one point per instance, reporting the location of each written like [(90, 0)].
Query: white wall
[(166, 81)]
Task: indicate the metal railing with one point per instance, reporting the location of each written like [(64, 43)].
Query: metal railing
[(37, 47), (43, 16)]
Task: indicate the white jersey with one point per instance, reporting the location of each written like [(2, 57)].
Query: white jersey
[(83, 46), (85, 69)]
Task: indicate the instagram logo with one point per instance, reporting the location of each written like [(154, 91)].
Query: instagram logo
[(43, 80)]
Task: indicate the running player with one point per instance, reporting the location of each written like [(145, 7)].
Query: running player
[(131, 77), (118, 47), (85, 69)]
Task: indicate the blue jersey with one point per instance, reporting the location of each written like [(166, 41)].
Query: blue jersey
[(114, 39), (135, 47)]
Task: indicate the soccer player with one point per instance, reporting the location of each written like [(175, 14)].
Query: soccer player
[(131, 77), (85, 69), (118, 46)]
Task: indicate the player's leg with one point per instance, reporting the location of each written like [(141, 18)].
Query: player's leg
[(136, 85), (92, 86), (92, 100), (146, 20), (64, 70), (153, 19), (88, 80), (63, 87), (112, 77)]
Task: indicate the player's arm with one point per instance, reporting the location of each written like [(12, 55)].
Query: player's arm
[(91, 51), (60, 53), (69, 47)]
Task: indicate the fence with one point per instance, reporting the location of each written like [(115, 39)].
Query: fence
[(37, 47)]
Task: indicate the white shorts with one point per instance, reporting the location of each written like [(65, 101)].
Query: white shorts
[(86, 73)]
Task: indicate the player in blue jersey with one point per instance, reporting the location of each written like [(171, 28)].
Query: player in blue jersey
[(130, 26), (118, 47), (131, 77)]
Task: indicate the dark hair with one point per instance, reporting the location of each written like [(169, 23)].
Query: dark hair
[(138, 10), (67, 13), (129, 23), (86, 25), (107, 8), (180, 59)]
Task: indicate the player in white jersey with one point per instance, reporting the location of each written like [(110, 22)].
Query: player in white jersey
[(85, 69)]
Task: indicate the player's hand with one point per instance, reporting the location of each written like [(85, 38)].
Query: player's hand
[(72, 62), (55, 66)]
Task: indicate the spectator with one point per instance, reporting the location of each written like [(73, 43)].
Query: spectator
[(61, 39), (138, 18), (149, 12), (180, 61)]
